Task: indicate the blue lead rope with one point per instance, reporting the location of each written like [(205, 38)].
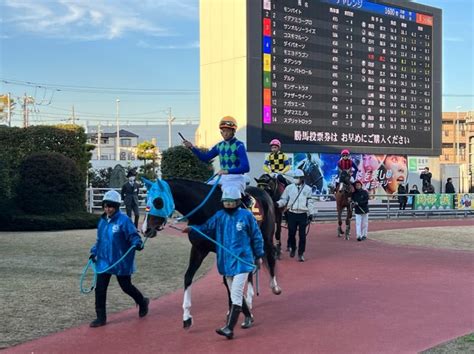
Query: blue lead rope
[(91, 264), (203, 202)]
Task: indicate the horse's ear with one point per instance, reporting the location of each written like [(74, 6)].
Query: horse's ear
[(160, 184), (148, 183), (256, 180)]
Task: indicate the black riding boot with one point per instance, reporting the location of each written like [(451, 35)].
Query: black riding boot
[(137, 217), (228, 330), (248, 321), (101, 319), (143, 307)]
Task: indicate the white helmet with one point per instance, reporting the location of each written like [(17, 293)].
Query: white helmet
[(298, 173), (112, 196), (232, 193)]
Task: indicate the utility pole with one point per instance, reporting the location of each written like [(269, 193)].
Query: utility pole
[(25, 111), (9, 110), (117, 144), (170, 120), (73, 116), (99, 141)]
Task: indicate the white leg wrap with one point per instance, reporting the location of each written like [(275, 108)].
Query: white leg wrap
[(187, 304)]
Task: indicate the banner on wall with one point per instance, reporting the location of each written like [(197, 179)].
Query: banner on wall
[(434, 201), (380, 174), (465, 201)]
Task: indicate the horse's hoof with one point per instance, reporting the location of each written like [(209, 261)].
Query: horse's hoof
[(339, 235), (276, 290), (347, 237), (187, 324)]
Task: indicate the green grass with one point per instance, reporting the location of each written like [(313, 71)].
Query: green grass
[(39, 286), (459, 345)]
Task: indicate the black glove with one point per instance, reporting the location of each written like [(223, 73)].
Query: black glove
[(93, 258), (139, 247)]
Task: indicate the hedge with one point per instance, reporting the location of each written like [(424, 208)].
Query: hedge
[(50, 183), (19, 221), (18, 143)]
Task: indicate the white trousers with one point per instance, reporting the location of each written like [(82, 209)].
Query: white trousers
[(236, 285), (362, 225), (231, 180)]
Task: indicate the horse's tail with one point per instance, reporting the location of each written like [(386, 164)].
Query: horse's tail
[(267, 226)]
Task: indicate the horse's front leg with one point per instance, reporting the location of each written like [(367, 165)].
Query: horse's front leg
[(339, 222), (195, 260), (278, 217), (348, 222)]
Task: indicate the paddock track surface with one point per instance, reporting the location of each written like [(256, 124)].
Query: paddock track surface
[(357, 297)]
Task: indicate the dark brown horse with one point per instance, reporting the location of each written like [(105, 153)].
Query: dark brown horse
[(186, 195), (343, 193), (275, 189)]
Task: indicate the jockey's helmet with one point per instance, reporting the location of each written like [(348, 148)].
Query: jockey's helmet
[(228, 122), (112, 197), (231, 193), (275, 142), (345, 152)]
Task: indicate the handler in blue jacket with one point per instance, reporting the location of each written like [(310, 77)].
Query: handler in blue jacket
[(115, 235), (237, 230)]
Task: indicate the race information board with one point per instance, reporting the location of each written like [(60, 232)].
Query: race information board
[(347, 73)]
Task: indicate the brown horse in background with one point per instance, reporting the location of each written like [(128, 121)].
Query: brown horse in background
[(343, 201)]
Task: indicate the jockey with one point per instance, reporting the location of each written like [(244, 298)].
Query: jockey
[(232, 154), (345, 164), (277, 161)]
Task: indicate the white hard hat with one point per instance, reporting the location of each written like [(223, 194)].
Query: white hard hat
[(112, 196), (232, 193), (298, 173)]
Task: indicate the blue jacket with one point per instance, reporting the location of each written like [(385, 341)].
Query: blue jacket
[(239, 233), (114, 237)]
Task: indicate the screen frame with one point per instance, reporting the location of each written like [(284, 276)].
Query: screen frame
[(255, 88)]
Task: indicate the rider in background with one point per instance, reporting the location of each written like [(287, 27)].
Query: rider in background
[(345, 164), (277, 161), (232, 154)]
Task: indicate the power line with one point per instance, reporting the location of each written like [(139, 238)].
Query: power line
[(94, 89)]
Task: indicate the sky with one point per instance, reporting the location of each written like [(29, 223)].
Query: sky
[(145, 53)]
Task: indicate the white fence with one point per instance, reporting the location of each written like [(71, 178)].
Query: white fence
[(382, 206)]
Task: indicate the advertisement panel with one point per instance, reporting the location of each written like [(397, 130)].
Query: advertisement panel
[(465, 201), (434, 201), (379, 174)]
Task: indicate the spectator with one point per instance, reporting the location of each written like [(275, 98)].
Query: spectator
[(449, 187), (402, 199), (425, 176), (429, 189), (413, 191)]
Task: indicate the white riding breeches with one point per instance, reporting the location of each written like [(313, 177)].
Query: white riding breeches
[(236, 286), (230, 180)]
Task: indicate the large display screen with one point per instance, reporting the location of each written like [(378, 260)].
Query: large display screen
[(349, 73)]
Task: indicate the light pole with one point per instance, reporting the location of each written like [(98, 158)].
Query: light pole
[(117, 143), (170, 120), (457, 133)]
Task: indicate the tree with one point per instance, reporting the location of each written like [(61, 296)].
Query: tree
[(178, 161), (147, 151), (50, 183)]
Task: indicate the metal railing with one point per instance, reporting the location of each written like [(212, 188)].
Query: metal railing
[(381, 206)]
